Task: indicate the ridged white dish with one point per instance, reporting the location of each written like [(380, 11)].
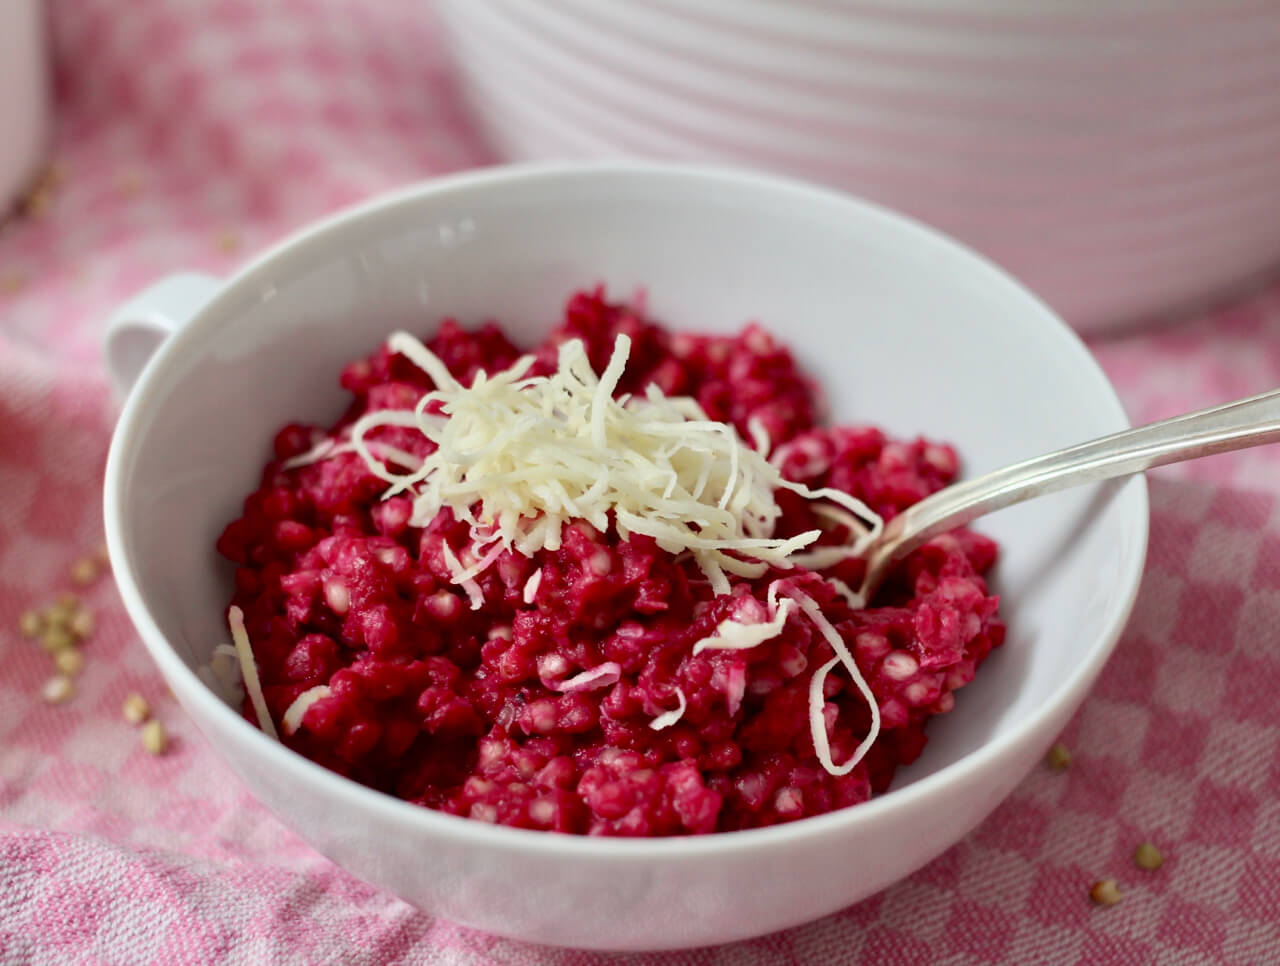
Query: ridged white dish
[(1123, 161)]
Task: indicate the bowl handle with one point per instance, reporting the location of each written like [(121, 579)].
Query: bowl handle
[(140, 325)]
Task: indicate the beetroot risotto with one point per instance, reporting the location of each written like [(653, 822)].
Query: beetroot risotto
[(609, 587)]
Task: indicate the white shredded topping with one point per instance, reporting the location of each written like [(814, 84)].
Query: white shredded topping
[(520, 456), (462, 577), (516, 457), (600, 676), (715, 574), (291, 721), (479, 567), (732, 635), (423, 358), (735, 635), (322, 450), (841, 517), (531, 586), (668, 718), (249, 670), (851, 596), (759, 436), (332, 446), (817, 725)]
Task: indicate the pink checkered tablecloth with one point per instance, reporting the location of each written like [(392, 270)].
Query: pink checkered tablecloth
[(193, 132)]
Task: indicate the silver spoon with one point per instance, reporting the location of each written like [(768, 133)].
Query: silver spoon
[(1219, 429)]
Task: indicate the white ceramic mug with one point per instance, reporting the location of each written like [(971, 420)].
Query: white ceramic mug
[(902, 327), (25, 108)]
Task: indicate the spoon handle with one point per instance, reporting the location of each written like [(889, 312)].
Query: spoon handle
[(1219, 429)]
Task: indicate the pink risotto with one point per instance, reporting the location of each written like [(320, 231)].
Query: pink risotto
[(561, 690)]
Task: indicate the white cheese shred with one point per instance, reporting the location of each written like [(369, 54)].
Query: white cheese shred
[(517, 457), (531, 586), (523, 455), (600, 676), (733, 635), (817, 702), (714, 573), (249, 670), (464, 578), (291, 721), (851, 596), (842, 518), (423, 358), (668, 718), (480, 566), (759, 436), (323, 450)]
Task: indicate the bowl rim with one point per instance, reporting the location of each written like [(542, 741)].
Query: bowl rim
[(299, 245)]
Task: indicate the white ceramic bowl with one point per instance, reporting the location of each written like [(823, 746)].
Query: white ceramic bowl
[(1119, 158), (904, 329)]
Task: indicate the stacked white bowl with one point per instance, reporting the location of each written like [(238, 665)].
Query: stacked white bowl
[(1121, 156)]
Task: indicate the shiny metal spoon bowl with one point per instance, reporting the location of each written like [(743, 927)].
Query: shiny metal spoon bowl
[(1236, 425)]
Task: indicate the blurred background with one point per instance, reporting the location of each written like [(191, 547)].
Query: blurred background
[(1119, 158), (1122, 157)]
